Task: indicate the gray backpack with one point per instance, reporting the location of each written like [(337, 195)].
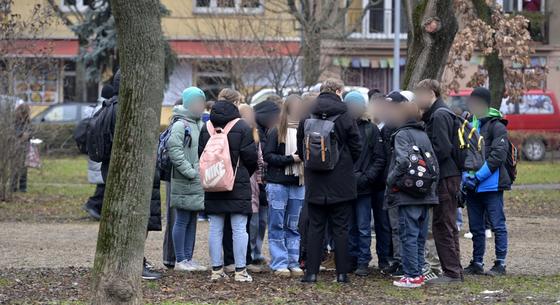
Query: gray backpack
[(320, 143)]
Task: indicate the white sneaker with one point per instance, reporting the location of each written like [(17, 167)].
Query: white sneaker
[(468, 235), (229, 268), (296, 271), (488, 233), (198, 266), (185, 266), (218, 275), (243, 276), (282, 272)]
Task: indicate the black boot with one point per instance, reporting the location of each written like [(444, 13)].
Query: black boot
[(342, 278), (309, 278)]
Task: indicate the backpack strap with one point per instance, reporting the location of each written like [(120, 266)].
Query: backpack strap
[(212, 130)]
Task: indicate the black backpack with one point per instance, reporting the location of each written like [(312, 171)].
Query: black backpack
[(421, 175), (80, 135), (163, 161), (321, 151), (511, 161), (100, 132), (468, 144)]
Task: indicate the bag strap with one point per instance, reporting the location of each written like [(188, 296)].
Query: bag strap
[(212, 130)]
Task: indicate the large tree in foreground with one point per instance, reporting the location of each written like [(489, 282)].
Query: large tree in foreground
[(432, 28), (122, 231)]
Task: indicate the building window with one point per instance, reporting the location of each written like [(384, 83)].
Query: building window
[(511, 6), (228, 6), (378, 22), (76, 5), (5, 6), (212, 76)]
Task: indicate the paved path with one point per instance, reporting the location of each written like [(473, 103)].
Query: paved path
[(534, 245), (553, 186)]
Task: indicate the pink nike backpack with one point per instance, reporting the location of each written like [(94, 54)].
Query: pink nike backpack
[(216, 169)]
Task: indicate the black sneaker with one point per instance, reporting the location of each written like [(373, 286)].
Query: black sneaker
[(390, 268), (362, 270), (148, 273), (474, 269), (399, 272), (499, 269), (93, 213)]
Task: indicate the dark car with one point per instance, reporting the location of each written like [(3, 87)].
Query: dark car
[(66, 113)]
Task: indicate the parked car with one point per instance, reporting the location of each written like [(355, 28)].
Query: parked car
[(533, 122), (66, 113)]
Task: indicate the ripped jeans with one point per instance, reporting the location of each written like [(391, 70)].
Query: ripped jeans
[(285, 203)]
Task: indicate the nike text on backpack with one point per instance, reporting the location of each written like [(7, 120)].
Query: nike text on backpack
[(468, 144), (421, 174), (321, 151), (215, 166), (163, 161), (100, 133)]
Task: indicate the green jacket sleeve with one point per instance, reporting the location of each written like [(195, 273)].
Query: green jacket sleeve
[(176, 150)]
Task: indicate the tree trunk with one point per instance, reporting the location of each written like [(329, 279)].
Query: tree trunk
[(493, 64), (122, 231), (428, 51), (311, 49)]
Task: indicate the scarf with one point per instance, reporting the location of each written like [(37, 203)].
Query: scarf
[(295, 169)]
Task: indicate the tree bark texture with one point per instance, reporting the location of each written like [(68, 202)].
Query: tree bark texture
[(428, 51), (311, 49), (493, 64), (122, 230)]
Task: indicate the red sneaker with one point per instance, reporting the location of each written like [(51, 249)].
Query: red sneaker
[(409, 282)]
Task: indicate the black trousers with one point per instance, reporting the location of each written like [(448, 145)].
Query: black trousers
[(96, 200), (227, 242), (338, 216)]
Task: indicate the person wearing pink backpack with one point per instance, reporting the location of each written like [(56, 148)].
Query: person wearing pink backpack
[(225, 178)]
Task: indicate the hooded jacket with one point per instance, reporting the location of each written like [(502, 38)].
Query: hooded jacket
[(440, 126), (339, 184), (493, 175), (242, 147), (186, 190), (404, 138), (264, 112), (370, 166), (274, 154)]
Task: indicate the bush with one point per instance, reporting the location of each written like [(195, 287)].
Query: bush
[(57, 139)]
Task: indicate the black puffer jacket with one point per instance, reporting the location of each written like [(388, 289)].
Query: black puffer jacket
[(386, 133), (276, 160), (440, 126), (407, 136), (496, 142), (242, 147), (338, 185), (370, 166), (264, 112)]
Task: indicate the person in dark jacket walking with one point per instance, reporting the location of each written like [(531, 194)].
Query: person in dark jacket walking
[(330, 194), (154, 220), (410, 143), (368, 170), (285, 190), (485, 188), (440, 126), (237, 202)]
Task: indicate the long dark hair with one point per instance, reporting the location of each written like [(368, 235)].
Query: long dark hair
[(283, 125)]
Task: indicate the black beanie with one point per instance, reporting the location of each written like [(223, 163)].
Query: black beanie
[(483, 94), (107, 92)]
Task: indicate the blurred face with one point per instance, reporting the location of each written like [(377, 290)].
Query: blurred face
[(400, 113), (248, 115), (377, 109), (295, 110), (356, 110), (197, 106), (477, 107), (424, 98)]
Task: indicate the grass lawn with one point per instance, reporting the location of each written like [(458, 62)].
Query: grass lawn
[(544, 172), (71, 286), (58, 190)]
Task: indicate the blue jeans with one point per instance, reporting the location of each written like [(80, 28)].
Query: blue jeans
[(459, 219), (184, 234), (216, 235), (284, 206), (382, 227), (360, 230), (490, 204), (258, 230), (413, 229)]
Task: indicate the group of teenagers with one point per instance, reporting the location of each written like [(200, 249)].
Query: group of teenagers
[(313, 169)]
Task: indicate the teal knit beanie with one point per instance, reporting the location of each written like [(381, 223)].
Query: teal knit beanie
[(190, 94), (355, 97)]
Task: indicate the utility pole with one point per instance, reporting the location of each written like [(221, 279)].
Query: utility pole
[(397, 45)]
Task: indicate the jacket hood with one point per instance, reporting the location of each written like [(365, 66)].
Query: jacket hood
[(328, 104), (414, 125), (222, 112), (265, 111), (493, 114), (179, 111), (439, 103)]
